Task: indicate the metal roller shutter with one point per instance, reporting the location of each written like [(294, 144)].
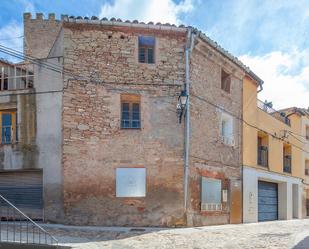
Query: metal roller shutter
[(267, 201), (24, 189)]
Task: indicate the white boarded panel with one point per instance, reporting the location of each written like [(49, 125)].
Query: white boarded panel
[(130, 182)]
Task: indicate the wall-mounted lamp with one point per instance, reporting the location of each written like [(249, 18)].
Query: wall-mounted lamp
[(182, 101)]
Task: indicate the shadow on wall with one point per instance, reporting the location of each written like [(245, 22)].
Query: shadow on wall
[(303, 244)]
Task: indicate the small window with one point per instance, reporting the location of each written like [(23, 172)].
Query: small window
[(130, 182), (211, 194), (225, 81), (307, 132), (287, 158), (130, 112), (226, 129), (4, 82), (307, 167), (8, 127), (146, 46)]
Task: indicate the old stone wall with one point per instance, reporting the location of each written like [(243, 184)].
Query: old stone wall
[(209, 156), (94, 145), (40, 34)]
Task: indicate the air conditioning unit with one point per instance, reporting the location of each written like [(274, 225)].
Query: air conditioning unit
[(211, 207), (228, 140)]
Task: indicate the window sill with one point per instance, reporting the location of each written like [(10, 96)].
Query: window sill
[(222, 212), (130, 128), (8, 144), (262, 166), (147, 65), (228, 141)]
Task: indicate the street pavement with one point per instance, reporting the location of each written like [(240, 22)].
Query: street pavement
[(275, 234)]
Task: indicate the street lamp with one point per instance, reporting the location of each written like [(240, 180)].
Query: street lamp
[(182, 101)]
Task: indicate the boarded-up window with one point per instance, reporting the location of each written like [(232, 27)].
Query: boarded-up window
[(225, 81), (130, 111), (130, 182), (211, 190), (227, 132), (146, 45)]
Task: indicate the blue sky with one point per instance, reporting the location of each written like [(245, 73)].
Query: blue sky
[(271, 37)]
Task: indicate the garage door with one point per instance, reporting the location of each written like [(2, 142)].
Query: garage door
[(24, 189), (267, 201)]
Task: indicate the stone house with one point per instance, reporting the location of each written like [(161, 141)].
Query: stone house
[(112, 149)]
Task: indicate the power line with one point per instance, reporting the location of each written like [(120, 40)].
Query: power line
[(56, 68), (12, 38), (241, 119), (290, 133), (297, 134)]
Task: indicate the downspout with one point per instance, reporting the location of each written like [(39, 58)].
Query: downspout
[(189, 47), (261, 88)]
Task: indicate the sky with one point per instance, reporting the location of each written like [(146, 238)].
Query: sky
[(271, 36)]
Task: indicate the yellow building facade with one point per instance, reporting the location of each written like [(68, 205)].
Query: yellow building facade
[(272, 160)]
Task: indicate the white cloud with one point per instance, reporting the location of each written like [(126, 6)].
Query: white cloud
[(29, 7), (285, 76), (164, 11), (11, 36)]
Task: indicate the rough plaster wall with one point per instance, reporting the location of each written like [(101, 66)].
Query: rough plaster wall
[(94, 145), (21, 154), (49, 137), (39, 34), (209, 156)]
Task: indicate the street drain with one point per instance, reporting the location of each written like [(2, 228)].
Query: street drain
[(137, 230)]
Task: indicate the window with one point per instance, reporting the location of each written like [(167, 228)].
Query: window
[(146, 48), (307, 167), (130, 182), (211, 194), (307, 132), (225, 81), (262, 149), (8, 127), (226, 129), (287, 158), (130, 111)]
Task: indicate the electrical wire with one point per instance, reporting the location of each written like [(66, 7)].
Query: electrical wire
[(241, 119), (297, 134), (12, 38), (96, 80), (290, 133)]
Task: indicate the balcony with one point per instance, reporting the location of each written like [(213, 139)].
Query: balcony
[(287, 164), (263, 156), (278, 115), (16, 77), (8, 134)]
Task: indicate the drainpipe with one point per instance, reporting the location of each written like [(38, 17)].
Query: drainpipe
[(189, 47)]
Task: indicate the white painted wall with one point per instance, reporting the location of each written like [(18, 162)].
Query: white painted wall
[(49, 135), (251, 177)]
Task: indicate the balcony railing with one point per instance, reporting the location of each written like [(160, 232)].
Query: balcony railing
[(278, 115), (287, 164), (16, 77), (8, 134), (263, 156)]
